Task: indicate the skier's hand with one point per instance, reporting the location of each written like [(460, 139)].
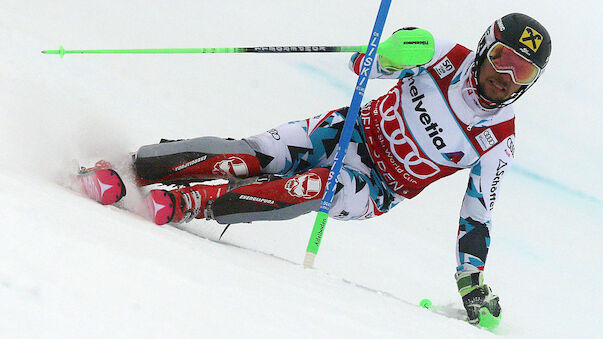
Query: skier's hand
[(481, 304), (392, 50)]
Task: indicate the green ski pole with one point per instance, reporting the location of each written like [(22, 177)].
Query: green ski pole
[(267, 49), (408, 48)]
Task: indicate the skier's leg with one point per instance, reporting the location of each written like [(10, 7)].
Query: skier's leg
[(195, 159), (291, 148), (356, 197), (273, 197), (252, 197), (295, 152)]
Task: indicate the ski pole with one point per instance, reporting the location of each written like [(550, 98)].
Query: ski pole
[(346, 134), (263, 49), (408, 48)]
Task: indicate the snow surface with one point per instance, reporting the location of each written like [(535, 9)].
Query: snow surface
[(72, 268)]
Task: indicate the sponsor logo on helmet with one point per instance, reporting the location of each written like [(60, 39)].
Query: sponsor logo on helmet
[(305, 186), (501, 26), (232, 166), (531, 38)]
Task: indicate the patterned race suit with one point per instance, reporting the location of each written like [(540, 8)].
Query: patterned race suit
[(428, 126)]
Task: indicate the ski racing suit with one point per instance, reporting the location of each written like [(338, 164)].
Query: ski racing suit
[(428, 126)]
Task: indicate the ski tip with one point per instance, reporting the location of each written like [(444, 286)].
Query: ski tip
[(426, 303)]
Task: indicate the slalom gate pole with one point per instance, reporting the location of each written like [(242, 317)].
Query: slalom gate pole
[(265, 49), (346, 135)]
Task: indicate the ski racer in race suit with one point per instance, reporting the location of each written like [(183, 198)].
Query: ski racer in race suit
[(447, 115)]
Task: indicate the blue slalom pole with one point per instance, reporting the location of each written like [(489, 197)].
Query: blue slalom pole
[(346, 135)]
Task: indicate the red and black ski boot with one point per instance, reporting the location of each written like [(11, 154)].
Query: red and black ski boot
[(182, 204), (101, 183)]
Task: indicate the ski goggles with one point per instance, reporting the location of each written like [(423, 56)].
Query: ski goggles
[(505, 60)]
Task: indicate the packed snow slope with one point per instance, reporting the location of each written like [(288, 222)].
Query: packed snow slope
[(72, 268)]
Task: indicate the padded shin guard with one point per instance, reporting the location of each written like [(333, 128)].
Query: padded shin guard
[(195, 159), (271, 198)]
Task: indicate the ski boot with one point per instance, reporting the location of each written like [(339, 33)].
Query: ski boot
[(481, 304), (182, 204), (101, 183)]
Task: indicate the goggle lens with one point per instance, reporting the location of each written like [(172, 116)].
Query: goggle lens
[(505, 60)]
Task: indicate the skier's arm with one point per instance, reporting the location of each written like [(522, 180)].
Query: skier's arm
[(385, 69), (483, 190)]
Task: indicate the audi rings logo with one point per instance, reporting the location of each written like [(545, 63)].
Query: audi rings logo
[(403, 147)]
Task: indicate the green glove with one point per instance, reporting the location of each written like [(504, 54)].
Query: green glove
[(405, 48), (481, 304)]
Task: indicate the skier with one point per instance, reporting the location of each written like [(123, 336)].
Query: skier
[(450, 114)]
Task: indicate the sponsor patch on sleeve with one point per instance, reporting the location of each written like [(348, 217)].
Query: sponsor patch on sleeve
[(486, 139)]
